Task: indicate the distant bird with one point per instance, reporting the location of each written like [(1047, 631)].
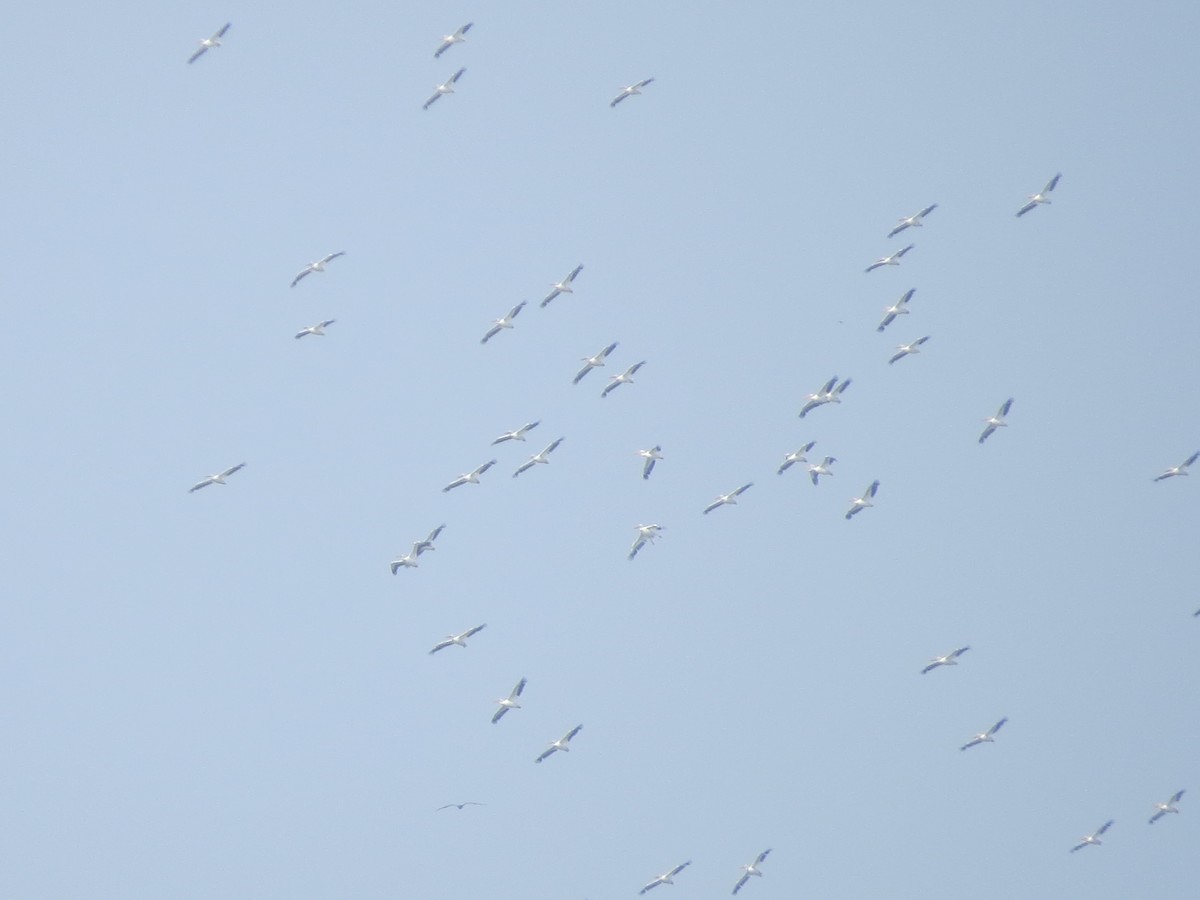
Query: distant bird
[(446, 87), (985, 736), (318, 266), (626, 377), (469, 477), (427, 544), (646, 535), (1181, 469), (831, 392), (459, 805), (564, 286), (858, 504), (651, 456), (1093, 838), (950, 659), (210, 42), (1041, 196), (450, 40), (219, 478), (904, 350), (913, 221), (519, 434), (796, 456), (591, 362), (821, 468), (729, 499), (409, 560), (541, 457), (505, 321), (457, 640), (509, 702), (996, 421), (751, 869), (318, 329), (560, 744), (899, 308), (629, 91), (666, 877), (893, 260), (1161, 809)]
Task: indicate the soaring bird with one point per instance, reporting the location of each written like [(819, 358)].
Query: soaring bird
[(457, 640), (821, 468), (904, 350), (1181, 469), (505, 321), (541, 457), (645, 535), (1041, 196), (446, 87), (219, 478), (449, 40), (666, 877), (1093, 838), (1161, 809), (519, 434), (408, 560), (651, 456), (318, 266), (469, 477), (427, 544), (997, 421), (752, 869), (210, 42), (796, 456), (318, 329), (729, 499), (985, 736), (592, 362), (893, 260), (858, 504), (564, 286), (899, 308), (459, 805), (509, 702), (629, 91), (913, 221), (950, 659), (626, 377), (831, 392), (560, 744)]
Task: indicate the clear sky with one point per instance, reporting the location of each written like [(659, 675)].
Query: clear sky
[(227, 694)]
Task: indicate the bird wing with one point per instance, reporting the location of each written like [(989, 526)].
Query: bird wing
[(741, 882), (465, 29), (433, 535), (615, 100), (813, 474), (655, 883), (516, 310), (933, 665), (1191, 459), (762, 856), (648, 467), (788, 462), (1052, 184), (570, 734), (472, 631), (579, 375), (1103, 828), (491, 333), (887, 320), (679, 868), (516, 691), (528, 464), (603, 354), (1004, 408), (197, 54), (232, 469), (554, 293), (873, 266), (919, 341), (1158, 815), (529, 426), (1026, 208), (872, 490), (927, 210), (200, 484), (637, 545), (997, 726), (545, 753), (642, 84), (827, 387), (441, 645), (487, 465), (550, 448), (969, 744), (900, 253), (574, 272), (899, 228), (986, 433), (333, 256), (959, 652), (854, 510), (431, 100), (632, 369), (442, 48), (460, 480), (303, 273), (713, 506), (1177, 796), (499, 714), (612, 385), (457, 75), (221, 31), (745, 487), (903, 353)]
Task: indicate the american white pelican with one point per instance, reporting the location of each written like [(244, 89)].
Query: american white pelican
[(1181, 469), (1041, 196), (560, 744), (950, 659), (318, 329), (509, 702), (913, 221), (459, 805), (904, 350), (858, 504), (831, 392), (646, 535), (985, 736), (519, 434), (996, 421), (449, 40), (626, 377), (541, 457), (591, 362), (219, 478), (469, 477), (651, 456), (1094, 837), (893, 260), (427, 544), (408, 560), (1161, 809), (666, 877), (821, 468), (210, 42), (899, 308), (729, 499), (446, 87), (629, 91), (457, 640), (564, 286), (503, 322), (318, 266), (752, 869), (796, 456)]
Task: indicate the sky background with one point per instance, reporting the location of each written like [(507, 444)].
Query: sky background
[(226, 694)]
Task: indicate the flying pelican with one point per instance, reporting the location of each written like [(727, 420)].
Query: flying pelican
[(985, 736), (219, 478), (996, 421), (821, 468), (318, 266), (503, 322), (729, 499), (1181, 469), (950, 659), (446, 87), (1093, 838), (796, 456), (459, 640), (666, 877), (318, 329), (752, 869), (518, 435), (591, 362), (560, 744), (899, 308), (893, 260), (542, 457), (509, 702), (858, 504), (564, 286), (831, 392), (1041, 197), (629, 91), (913, 221), (646, 535), (1161, 809), (209, 43), (469, 477), (904, 350), (626, 377), (459, 805), (449, 40), (408, 560), (427, 544), (651, 456)]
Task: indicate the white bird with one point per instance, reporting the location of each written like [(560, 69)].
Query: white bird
[(503, 322), (1181, 469), (1161, 809), (518, 435), (913, 221), (858, 504), (651, 456), (821, 468), (729, 499), (219, 478), (629, 91), (830, 392), (752, 869), (318, 266), (626, 377), (591, 362), (1041, 196), (427, 544), (646, 535), (541, 457), (950, 659), (985, 736), (457, 640), (564, 286), (509, 702), (893, 260), (560, 744), (796, 456), (996, 421), (449, 40), (899, 308), (1093, 838), (459, 805), (469, 477), (318, 329), (666, 877), (210, 42), (409, 560), (904, 350), (446, 87)]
